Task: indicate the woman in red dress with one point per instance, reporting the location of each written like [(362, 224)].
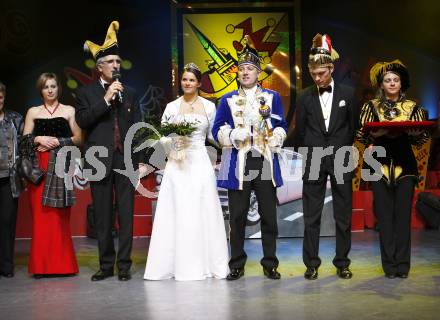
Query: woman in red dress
[(51, 126)]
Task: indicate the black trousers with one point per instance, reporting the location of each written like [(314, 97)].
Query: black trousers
[(117, 186), (259, 175), (392, 207), (313, 203), (8, 219)]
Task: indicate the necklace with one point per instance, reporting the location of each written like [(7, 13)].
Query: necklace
[(325, 110), (54, 109), (390, 110), (191, 103)]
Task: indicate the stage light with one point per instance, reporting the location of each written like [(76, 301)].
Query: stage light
[(281, 75), (90, 63)]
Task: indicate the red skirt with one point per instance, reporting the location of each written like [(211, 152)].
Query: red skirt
[(51, 246)]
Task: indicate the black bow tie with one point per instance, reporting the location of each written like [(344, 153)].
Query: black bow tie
[(324, 89)]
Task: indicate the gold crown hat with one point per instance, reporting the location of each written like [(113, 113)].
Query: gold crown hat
[(110, 45), (249, 55), (380, 69), (322, 53)]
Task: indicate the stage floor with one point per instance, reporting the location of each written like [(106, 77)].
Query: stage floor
[(369, 295)]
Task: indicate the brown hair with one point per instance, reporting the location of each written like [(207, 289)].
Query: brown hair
[(42, 79), (2, 88), (194, 70)]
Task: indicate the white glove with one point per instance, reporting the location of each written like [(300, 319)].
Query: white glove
[(223, 135), (274, 142), (239, 135)]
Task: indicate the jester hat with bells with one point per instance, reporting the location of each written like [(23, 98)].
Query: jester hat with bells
[(110, 45), (322, 54), (380, 69), (249, 55)]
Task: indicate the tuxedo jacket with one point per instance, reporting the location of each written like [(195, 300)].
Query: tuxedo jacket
[(97, 118), (310, 130)]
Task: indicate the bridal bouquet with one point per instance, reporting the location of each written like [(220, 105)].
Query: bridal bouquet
[(172, 133)]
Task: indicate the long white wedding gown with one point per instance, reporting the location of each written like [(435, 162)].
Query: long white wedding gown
[(188, 240)]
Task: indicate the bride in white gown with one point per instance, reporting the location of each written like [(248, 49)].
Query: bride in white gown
[(188, 240)]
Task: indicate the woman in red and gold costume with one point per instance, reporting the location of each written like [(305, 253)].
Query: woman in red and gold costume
[(394, 191), (49, 127)]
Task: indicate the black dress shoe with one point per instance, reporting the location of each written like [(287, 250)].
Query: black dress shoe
[(124, 275), (311, 273), (272, 273), (344, 273), (390, 275), (101, 275), (38, 276), (402, 275), (7, 274), (235, 274)]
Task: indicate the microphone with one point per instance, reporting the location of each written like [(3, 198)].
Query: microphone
[(116, 76)]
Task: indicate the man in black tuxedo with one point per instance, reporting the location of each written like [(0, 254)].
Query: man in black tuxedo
[(106, 109), (326, 119)]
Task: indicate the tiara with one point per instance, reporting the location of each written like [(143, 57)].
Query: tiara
[(191, 65)]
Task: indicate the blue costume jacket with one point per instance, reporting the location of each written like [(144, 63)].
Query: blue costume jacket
[(233, 111)]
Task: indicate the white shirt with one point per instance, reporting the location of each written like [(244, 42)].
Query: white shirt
[(326, 101), (103, 83), (250, 94)]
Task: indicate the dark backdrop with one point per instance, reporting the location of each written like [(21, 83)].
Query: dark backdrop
[(40, 36), (47, 35)]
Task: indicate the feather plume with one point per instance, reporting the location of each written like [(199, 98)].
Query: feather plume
[(379, 69), (334, 54), (317, 41)]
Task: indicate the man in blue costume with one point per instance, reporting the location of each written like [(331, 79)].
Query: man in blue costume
[(251, 128)]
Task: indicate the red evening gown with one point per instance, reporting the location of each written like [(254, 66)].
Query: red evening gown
[(52, 249)]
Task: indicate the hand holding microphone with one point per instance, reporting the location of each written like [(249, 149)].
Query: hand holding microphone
[(115, 88), (116, 76)]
